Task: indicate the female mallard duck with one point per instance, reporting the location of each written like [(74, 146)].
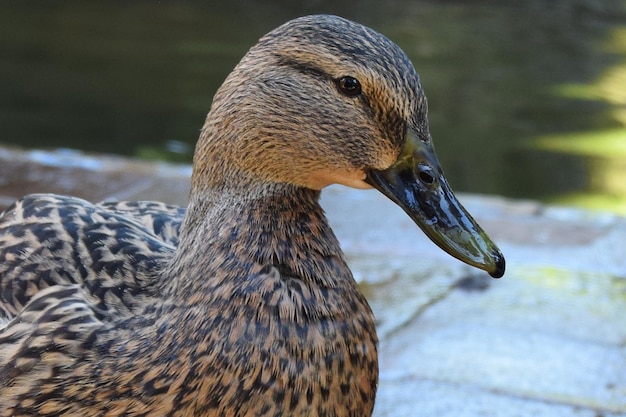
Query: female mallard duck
[(249, 309)]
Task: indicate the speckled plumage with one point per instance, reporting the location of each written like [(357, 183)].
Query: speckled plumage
[(242, 304), (153, 347), (108, 248)]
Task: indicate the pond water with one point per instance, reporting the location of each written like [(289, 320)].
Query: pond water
[(527, 98)]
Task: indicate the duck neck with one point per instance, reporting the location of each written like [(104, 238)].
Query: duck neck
[(229, 235)]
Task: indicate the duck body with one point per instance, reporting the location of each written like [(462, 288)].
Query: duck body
[(241, 304), (221, 346), (47, 240)]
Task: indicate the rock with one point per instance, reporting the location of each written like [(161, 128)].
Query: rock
[(548, 339)]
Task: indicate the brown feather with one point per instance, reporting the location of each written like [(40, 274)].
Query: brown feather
[(242, 304)]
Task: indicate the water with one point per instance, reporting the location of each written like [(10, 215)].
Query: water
[(527, 99)]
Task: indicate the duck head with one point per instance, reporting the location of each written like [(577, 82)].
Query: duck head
[(322, 100)]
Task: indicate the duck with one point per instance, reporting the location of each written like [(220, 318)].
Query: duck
[(241, 303)]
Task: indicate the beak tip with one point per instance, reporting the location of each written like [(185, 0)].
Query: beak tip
[(499, 265)]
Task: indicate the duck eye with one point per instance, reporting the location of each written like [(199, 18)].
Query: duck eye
[(349, 86)]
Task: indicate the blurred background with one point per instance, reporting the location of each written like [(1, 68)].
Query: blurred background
[(527, 98)]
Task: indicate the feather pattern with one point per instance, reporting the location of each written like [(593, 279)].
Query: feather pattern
[(240, 304)]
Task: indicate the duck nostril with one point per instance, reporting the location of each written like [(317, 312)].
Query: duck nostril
[(425, 175)]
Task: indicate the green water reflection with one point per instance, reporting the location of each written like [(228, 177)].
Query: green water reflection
[(527, 99)]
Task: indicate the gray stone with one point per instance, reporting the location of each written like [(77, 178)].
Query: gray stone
[(548, 339)]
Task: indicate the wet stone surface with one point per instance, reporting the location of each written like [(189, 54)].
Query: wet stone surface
[(547, 339)]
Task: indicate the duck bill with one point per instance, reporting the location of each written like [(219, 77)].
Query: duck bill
[(416, 183)]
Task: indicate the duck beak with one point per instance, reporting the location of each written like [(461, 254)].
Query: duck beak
[(416, 183)]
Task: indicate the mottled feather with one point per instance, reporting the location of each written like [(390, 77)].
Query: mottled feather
[(241, 304)]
